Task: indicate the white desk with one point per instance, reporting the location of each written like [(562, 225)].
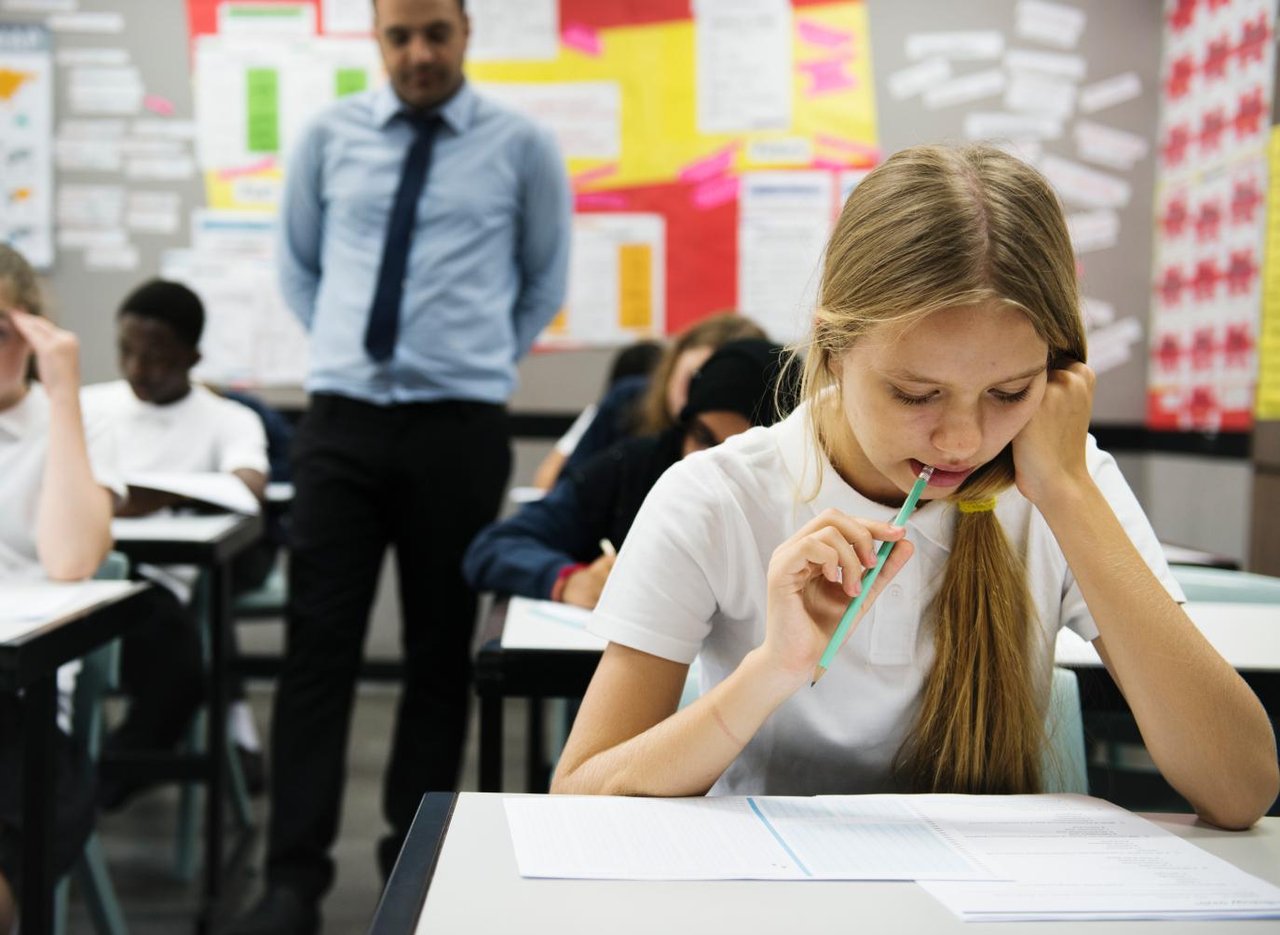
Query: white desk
[(457, 873), (1247, 636), (45, 624)]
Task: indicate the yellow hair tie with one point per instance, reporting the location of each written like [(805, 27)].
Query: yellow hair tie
[(977, 506)]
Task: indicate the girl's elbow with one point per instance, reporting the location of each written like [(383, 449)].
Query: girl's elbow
[(1242, 809)]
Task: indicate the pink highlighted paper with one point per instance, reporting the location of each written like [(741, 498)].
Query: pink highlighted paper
[(824, 36), (158, 105), (709, 167), (828, 76), (716, 192), (583, 38), (609, 200), (251, 168), (585, 178)]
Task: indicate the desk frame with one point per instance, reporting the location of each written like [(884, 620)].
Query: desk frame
[(215, 556), (29, 664)]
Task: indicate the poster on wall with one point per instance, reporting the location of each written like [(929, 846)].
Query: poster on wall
[(1210, 220), (26, 135)]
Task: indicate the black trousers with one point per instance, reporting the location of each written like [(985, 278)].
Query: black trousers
[(423, 478)]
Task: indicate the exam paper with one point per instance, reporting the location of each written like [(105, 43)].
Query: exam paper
[(28, 605), (224, 490), (872, 837), (532, 624), (1073, 857)]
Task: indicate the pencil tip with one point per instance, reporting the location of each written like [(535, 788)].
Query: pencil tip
[(818, 673)]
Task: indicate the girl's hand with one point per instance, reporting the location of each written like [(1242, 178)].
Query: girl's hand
[(57, 353), (812, 578), (1048, 454)]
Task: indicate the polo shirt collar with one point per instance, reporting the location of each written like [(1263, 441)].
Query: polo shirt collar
[(458, 112), (18, 420), (934, 521)]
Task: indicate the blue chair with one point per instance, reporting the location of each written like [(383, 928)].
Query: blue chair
[(1221, 585), (99, 675), (1062, 765)]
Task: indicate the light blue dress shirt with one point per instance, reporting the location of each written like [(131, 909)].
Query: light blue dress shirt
[(488, 262)]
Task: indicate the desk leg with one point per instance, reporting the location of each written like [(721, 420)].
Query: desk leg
[(39, 777), (535, 764), (490, 740), (216, 742)]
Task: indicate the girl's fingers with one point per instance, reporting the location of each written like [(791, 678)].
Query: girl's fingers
[(862, 534)]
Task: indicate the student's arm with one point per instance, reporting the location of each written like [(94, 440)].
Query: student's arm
[(549, 470), (256, 481), (628, 738), (302, 227), (1205, 729), (543, 248), (73, 516), (525, 553)]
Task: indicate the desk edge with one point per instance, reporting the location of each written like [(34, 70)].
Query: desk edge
[(406, 893)]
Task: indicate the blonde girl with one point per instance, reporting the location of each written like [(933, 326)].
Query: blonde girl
[(947, 333)]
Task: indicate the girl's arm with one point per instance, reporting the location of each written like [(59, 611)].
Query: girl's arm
[(73, 516), (1205, 729), (629, 739)]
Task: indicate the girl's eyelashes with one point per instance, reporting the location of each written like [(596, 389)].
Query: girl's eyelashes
[(910, 400), (1017, 397)]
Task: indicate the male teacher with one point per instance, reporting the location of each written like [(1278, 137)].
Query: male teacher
[(424, 245)]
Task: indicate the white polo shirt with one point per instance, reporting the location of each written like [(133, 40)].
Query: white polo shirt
[(691, 579), (24, 439), (202, 432)]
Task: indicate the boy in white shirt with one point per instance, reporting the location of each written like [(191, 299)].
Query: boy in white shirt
[(168, 424)]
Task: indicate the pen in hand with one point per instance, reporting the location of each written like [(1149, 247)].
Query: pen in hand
[(869, 578)]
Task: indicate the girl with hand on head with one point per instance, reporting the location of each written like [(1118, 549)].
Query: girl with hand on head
[(948, 334), (55, 522)]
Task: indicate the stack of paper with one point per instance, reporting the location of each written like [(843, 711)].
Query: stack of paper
[(987, 858), (1077, 858)]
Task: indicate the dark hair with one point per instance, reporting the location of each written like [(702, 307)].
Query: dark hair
[(169, 302), (635, 360)]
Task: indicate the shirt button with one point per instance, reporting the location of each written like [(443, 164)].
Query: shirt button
[(895, 591)]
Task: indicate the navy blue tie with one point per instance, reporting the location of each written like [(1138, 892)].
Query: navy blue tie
[(384, 316)]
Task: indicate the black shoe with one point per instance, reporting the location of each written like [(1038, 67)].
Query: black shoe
[(282, 910), (253, 767)]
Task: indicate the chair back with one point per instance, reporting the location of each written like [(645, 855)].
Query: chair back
[(1220, 585), (1062, 765)]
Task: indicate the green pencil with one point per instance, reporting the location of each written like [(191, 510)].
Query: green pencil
[(868, 579)]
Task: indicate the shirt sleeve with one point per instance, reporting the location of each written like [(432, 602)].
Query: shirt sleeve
[(242, 445), (1106, 474), (524, 553), (546, 225), (660, 597), (302, 226), (102, 443)]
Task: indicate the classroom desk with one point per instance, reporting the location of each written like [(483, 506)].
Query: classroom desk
[(457, 873), (93, 613), (535, 672), (211, 542), (1247, 635)]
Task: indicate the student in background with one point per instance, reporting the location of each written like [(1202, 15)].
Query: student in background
[(628, 375), (57, 492), (632, 410), (947, 333), (551, 548), (166, 423)]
